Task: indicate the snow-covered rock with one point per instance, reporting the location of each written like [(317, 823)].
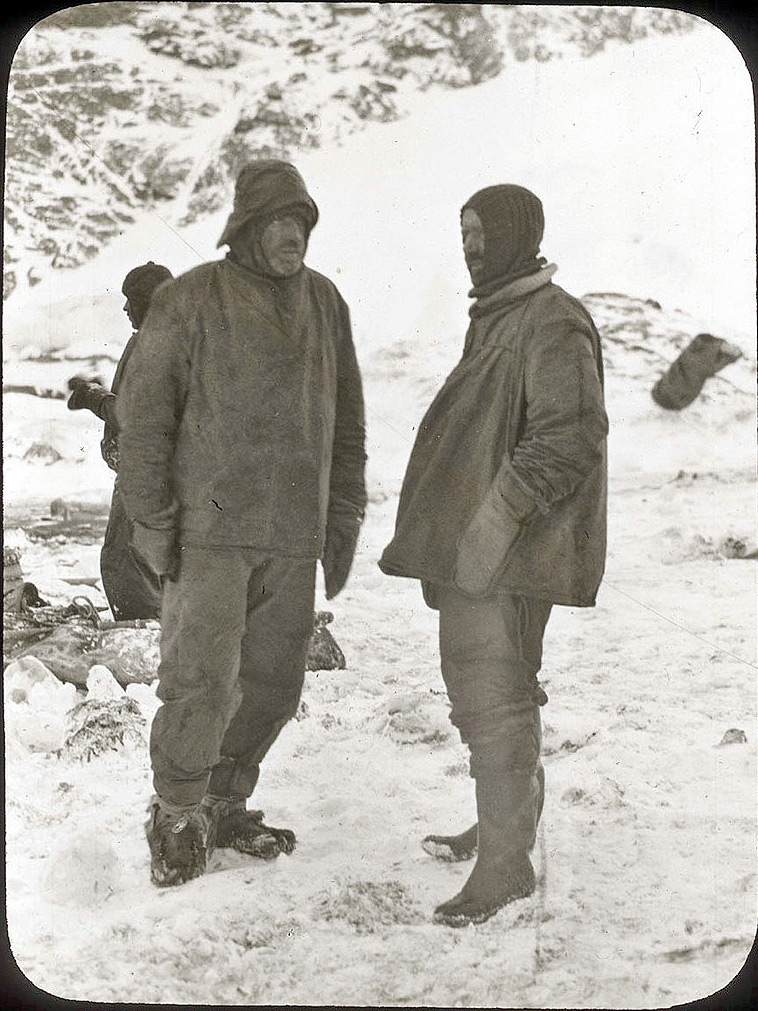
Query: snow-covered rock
[(102, 685), (20, 675), (36, 704), (52, 696)]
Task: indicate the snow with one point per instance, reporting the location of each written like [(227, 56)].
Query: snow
[(646, 851)]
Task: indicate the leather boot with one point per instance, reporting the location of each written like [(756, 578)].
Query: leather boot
[(237, 828), (507, 806), (180, 841), (452, 848)]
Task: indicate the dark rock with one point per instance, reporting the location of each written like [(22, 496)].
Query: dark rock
[(733, 736), (43, 452), (323, 651)]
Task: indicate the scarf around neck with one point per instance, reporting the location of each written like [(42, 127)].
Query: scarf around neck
[(489, 298)]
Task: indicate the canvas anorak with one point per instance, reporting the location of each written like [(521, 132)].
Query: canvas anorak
[(505, 489), (242, 413)]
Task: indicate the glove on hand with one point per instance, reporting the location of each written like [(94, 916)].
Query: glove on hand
[(431, 594), (484, 545), (88, 394), (341, 538), (76, 382), (157, 549)]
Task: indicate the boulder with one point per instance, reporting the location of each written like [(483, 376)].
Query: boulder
[(733, 736), (323, 651)]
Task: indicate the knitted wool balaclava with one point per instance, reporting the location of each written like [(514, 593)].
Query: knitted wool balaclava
[(513, 223), (140, 283)]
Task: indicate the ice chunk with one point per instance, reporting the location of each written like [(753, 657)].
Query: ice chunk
[(20, 675), (101, 684)]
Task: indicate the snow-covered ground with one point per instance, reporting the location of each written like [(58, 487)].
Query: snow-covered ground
[(646, 853)]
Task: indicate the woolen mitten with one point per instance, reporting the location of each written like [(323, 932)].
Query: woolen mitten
[(341, 538), (88, 394), (431, 594)]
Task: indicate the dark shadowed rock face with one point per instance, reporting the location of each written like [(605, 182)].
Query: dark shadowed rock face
[(120, 106)]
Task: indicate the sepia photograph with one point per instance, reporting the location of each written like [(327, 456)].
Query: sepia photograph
[(379, 505)]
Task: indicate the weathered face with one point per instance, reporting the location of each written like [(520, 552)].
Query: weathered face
[(283, 245), (134, 312), (472, 233)]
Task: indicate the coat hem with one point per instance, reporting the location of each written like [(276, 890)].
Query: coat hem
[(558, 599), (193, 541)]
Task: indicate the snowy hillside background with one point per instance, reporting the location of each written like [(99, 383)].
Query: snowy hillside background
[(126, 124)]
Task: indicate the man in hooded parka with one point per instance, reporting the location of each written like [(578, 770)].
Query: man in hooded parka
[(132, 589), (241, 462), (502, 514)]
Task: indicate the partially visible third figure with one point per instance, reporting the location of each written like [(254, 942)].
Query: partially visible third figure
[(132, 589)]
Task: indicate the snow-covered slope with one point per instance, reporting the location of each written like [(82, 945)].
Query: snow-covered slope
[(645, 173)]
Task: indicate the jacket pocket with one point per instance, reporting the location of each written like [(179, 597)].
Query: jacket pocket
[(484, 547)]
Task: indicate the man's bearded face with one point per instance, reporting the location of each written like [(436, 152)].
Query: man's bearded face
[(283, 245), (472, 232)]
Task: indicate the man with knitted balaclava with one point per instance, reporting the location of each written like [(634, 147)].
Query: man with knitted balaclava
[(502, 514), (132, 589), (242, 463)]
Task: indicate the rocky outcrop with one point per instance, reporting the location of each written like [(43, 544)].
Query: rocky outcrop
[(117, 107)]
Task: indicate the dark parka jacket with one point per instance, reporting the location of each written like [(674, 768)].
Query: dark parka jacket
[(505, 490), (109, 442), (241, 414)]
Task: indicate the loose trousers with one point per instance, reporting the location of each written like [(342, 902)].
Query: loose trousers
[(133, 591), (490, 652), (235, 630)]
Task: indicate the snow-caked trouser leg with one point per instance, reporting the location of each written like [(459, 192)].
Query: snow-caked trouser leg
[(133, 591), (491, 651), (279, 624), (204, 622)]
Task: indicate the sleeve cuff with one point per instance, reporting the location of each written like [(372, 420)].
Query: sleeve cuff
[(512, 491)]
